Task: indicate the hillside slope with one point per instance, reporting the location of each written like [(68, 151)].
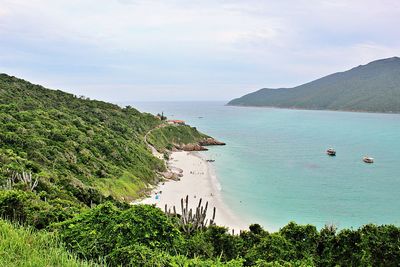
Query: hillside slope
[(80, 150), (374, 87)]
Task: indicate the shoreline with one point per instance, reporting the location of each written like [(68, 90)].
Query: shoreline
[(310, 109), (198, 180)]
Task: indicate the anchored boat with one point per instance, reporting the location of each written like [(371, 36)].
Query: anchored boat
[(331, 152), (368, 159)]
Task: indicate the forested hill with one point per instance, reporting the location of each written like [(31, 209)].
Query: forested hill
[(374, 87), (79, 150)]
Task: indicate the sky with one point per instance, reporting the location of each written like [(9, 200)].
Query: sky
[(172, 50)]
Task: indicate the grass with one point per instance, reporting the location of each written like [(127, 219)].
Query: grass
[(126, 188), (21, 246)]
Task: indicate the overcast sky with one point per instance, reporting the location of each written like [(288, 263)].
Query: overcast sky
[(134, 50)]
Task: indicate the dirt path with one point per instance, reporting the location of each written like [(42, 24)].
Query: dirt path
[(152, 148)]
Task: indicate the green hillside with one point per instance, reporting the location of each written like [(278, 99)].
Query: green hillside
[(83, 146), (374, 87), (80, 151)]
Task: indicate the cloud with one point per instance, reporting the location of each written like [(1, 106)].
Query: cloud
[(200, 47)]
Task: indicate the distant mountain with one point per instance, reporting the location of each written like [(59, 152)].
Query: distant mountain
[(374, 87)]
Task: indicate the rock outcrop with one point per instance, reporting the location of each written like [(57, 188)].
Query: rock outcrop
[(192, 147), (172, 175), (200, 146), (211, 142)]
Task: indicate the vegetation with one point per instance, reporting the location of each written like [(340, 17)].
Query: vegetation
[(68, 166), (374, 87), (28, 208), (170, 136), (76, 149), (143, 234), (24, 247), (60, 154)]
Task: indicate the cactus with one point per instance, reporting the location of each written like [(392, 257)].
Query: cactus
[(189, 219), (24, 177)]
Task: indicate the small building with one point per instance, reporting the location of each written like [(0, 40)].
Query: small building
[(176, 122)]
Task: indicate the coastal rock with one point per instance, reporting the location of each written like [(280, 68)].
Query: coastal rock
[(192, 147), (200, 146), (171, 175), (176, 170), (211, 142)]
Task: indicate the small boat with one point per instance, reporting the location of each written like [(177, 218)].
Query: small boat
[(331, 152), (368, 160), (210, 160)]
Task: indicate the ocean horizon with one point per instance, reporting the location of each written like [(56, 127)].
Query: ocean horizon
[(274, 169)]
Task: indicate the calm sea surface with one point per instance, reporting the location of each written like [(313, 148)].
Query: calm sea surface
[(274, 168)]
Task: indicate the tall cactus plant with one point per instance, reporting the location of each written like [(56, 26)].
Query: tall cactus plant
[(24, 178), (190, 220)]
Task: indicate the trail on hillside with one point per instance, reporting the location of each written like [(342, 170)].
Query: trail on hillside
[(154, 151)]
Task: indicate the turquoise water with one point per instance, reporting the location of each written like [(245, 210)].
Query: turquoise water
[(274, 168)]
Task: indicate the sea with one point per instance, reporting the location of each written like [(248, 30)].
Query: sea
[(274, 168)]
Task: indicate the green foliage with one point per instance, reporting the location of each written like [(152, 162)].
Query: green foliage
[(326, 243), (102, 230), (26, 247), (374, 87), (168, 136), (197, 245), (225, 245), (73, 143), (382, 243), (137, 255), (87, 234), (271, 248), (295, 263), (303, 245), (304, 238), (28, 208), (143, 235), (348, 248)]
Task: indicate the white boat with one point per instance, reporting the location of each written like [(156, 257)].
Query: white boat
[(368, 159)]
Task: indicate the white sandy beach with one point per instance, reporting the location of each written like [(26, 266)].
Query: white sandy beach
[(198, 181)]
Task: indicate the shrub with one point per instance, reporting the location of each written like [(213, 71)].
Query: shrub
[(28, 208), (105, 231)]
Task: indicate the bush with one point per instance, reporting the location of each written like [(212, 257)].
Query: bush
[(105, 231), (225, 245), (137, 255), (28, 208), (303, 238)]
